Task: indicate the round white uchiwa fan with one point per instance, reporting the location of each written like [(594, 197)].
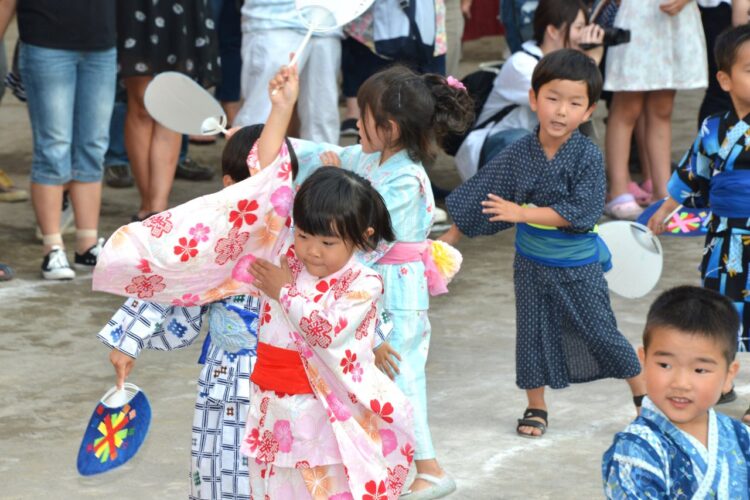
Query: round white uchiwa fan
[(180, 104), (637, 258)]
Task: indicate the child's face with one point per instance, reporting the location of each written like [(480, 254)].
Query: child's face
[(685, 376), (370, 136), (321, 255), (561, 106), (737, 82)]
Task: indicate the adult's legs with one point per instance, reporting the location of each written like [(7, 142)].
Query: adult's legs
[(658, 111), (318, 94), (139, 127), (454, 28)]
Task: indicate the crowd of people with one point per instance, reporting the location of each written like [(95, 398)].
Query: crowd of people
[(319, 256)]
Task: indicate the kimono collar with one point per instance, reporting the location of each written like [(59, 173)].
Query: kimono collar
[(304, 275), (396, 160), (574, 138), (731, 118)]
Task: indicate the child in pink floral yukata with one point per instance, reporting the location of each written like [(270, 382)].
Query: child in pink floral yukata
[(325, 422)]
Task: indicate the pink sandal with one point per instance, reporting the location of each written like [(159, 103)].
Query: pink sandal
[(623, 207), (642, 197)]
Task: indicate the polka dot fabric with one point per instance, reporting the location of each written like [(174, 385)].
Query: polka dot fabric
[(566, 331)]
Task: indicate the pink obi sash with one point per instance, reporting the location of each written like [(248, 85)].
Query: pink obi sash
[(401, 253)]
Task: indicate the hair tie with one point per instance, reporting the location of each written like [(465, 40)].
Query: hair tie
[(455, 83)]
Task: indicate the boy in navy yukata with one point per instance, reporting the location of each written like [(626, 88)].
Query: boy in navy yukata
[(680, 447), (551, 186)]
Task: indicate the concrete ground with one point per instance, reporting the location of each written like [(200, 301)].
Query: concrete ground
[(53, 370)]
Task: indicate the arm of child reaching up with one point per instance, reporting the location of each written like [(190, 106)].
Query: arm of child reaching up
[(283, 90)]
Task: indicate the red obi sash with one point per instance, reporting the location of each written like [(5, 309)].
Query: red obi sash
[(280, 370)]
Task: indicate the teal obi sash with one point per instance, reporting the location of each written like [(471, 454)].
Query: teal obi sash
[(555, 248), (729, 194)]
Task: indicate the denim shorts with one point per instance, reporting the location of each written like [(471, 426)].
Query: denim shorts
[(70, 99)]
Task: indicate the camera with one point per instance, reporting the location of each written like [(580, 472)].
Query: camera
[(612, 36)]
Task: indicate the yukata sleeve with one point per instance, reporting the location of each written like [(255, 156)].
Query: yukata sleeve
[(464, 203), (584, 204), (308, 156), (689, 184), (631, 470), (138, 324)]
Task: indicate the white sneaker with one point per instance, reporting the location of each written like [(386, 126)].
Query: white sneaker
[(441, 216), (55, 265)]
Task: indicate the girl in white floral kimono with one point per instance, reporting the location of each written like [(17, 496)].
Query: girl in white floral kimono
[(324, 421)]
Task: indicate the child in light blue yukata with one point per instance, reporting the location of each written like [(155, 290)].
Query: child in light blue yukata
[(217, 468), (403, 115), (680, 447)]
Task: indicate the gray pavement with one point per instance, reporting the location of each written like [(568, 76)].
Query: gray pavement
[(53, 370)]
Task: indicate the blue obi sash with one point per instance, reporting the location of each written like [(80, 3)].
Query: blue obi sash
[(555, 248), (729, 194)]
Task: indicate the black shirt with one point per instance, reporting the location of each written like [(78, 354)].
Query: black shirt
[(68, 24)]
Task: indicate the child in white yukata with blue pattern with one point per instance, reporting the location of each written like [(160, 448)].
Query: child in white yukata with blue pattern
[(402, 115), (680, 447), (217, 468)]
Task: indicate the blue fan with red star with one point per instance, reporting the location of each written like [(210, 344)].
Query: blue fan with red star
[(684, 222), (116, 430)]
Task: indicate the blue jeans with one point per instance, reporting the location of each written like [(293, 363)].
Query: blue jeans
[(70, 98), (518, 18)]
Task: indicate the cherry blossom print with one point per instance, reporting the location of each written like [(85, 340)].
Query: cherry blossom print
[(375, 491), (295, 265), (252, 160), (282, 200), (159, 224), (231, 247), (337, 408), (267, 447), (302, 464), (268, 232), (323, 286), (241, 272), (146, 286), (265, 316), (340, 326), (316, 330), (187, 300), (144, 266), (244, 213), (388, 441), (347, 362), (263, 410), (357, 372), (186, 249), (385, 411), (253, 439), (282, 431), (285, 170), (342, 285), (403, 271), (200, 232), (353, 398), (408, 451), (317, 481), (396, 479), (363, 328)]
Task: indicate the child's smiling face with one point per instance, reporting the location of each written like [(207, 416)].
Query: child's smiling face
[(561, 106), (685, 376)]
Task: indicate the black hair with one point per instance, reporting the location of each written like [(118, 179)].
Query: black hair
[(336, 202), (695, 311), (568, 64), (558, 13), (425, 108), (727, 44), (237, 149)]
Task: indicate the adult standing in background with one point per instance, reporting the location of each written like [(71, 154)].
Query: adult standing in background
[(271, 29), (716, 16), (155, 36), (67, 62)]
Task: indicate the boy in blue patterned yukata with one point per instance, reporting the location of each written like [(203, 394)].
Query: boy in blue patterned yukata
[(680, 447), (217, 468), (715, 173), (403, 115), (551, 185)]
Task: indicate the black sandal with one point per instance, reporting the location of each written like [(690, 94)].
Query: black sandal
[(527, 422), (638, 401)]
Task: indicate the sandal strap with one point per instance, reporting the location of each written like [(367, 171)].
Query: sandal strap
[(536, 412), (523, 422), (429, 478)]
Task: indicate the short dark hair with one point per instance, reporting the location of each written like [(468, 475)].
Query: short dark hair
[(727, 44), (695, 311), (237, 149), (558, 13), (568, 64), (337, 202)]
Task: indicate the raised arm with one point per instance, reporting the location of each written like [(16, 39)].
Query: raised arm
[(283, 90)]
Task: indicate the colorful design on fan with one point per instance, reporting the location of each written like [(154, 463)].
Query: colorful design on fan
[(685, 222), (114, 430)]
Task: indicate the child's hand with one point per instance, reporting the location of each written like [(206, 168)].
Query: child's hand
[(330, 159), (502, 210), (284, 87), (123, 364), (269, 278), (384, 355), (656, 223), (673, 7)]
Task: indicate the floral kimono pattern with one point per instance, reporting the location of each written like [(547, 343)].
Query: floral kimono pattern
[(354, 430), (654, 459)]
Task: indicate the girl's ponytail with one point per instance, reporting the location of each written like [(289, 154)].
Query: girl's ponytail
[(454, 108)]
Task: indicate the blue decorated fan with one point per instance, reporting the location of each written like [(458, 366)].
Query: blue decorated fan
[(116, 430), (684, 222)]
